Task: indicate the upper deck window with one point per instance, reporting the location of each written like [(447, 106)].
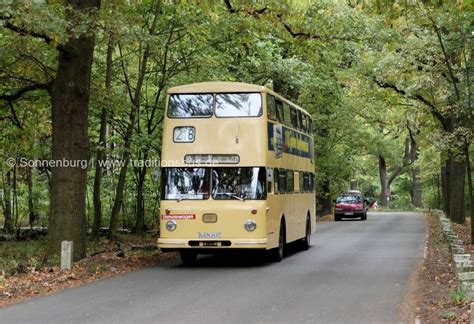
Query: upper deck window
[(279, 111), (238, 104), (190, 105), (271, 106), (294, 118)]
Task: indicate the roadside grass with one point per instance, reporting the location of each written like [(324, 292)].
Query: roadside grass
[(447, 315), (26, 271), (459, 296), (17, 257), (22, 257)]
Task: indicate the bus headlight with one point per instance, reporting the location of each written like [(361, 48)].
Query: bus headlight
[(171, 225), (250, 225)]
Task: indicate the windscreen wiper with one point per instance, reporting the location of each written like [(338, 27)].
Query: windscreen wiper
[(233, 196)]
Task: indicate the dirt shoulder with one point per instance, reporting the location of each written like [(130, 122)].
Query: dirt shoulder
[(27, 279), (434, 290)]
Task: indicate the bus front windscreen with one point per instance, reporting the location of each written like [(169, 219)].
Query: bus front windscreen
[(190, 105), (185, 183), (238, 105), (225, 104), (238, 183)]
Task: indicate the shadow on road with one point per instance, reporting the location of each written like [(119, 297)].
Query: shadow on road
[(236, 259)]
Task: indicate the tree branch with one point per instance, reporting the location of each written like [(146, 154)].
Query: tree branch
[(25, 32), (446, 58), (405, 162), (229, 6), (258, 12), (253, 12), (20, 92), (434, 111), (312, 36), (14, 118)]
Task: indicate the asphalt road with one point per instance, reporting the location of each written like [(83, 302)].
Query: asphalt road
[(354, 272)]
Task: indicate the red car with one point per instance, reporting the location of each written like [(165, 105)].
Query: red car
[(351, 204)]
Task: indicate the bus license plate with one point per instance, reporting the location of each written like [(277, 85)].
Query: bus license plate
[(211, 244), (209, 235)]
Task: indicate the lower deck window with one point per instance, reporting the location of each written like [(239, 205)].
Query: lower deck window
[(238, 183), (185, 183)]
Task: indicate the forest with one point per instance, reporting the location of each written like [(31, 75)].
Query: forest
[(388, 83)]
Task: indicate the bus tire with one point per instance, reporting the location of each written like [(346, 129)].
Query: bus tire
[(305, 242), (278, 253), (188, 257)]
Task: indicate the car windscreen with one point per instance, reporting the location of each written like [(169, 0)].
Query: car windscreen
[(190, 105), (185, 183), (348, 199), (238, 183)]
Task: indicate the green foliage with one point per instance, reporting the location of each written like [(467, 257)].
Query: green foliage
[(459, 296), (448, 315), (334, 58)]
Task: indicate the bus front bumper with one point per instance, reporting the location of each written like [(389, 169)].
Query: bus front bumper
[(192, 243)]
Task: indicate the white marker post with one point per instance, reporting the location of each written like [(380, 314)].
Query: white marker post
[(66, 254)]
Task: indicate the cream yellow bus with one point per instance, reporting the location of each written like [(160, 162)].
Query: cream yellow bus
[(237, 171)]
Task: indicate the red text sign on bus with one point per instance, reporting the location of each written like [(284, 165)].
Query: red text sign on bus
[(179, 216)]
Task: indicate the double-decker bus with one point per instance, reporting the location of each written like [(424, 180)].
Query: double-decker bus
[(237, 171)]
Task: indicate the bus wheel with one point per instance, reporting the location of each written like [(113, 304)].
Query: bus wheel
[(279, 252), (188, 257), (306, 240)]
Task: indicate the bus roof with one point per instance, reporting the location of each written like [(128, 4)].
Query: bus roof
[(216, 87), (226, 86)]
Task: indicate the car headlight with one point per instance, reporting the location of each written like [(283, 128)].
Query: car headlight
[(338, 209), (171, 225), (250, 225)]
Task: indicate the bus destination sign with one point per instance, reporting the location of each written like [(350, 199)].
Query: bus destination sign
[(211, 159)]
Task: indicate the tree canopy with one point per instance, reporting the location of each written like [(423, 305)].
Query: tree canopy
[(388, 83)]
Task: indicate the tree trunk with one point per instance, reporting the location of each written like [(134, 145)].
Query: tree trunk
[(415, 172), (416, 187), (383, 181), (325, 200), (445, 187), (439, 204), (456, 191), (128, 135), (102, 144), (469, 188), (70, 141), (7, 209), (16, 215), (140, 210), (354, 185), (32, 215)]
